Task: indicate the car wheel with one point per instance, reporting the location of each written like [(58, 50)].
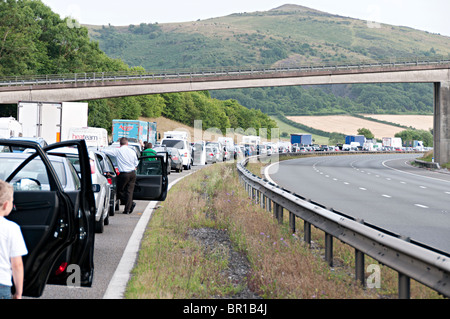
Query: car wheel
[(100, 225), (112, 208)]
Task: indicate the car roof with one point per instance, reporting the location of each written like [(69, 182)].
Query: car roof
[(53, 158)]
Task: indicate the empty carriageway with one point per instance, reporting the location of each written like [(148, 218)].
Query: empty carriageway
[(382, 189)]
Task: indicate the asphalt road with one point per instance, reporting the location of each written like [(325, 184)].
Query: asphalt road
[(109, 250), (381, 189)]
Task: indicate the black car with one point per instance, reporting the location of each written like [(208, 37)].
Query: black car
[(57, 222)]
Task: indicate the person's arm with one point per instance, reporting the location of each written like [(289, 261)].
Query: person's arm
[(17, 272)]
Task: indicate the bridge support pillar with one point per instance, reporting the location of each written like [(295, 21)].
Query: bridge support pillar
[(442, 122)]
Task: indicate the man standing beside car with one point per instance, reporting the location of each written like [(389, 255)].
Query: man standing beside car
[(127, 162)]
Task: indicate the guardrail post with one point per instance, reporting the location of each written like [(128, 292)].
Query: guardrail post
[(359, 267), (280, 214), (329, 249), (307, 232), (275, 210), (292, 222), (404, 286)]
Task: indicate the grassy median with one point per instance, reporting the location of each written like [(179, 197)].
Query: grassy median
[(174, 264)]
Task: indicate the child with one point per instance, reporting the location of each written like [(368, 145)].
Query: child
[(12, 247)]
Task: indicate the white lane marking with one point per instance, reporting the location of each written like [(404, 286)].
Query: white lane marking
[(421, 206), (363, 189), (447, 193), (422, 186), (402, 182), (387, 196), (346, 183)]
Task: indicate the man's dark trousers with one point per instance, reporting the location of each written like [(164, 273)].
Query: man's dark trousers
[(125, 186)]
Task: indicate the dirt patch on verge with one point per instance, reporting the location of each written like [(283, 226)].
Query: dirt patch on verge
[(215, 240)]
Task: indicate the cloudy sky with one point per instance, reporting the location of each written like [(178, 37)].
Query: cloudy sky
[(427, 15)]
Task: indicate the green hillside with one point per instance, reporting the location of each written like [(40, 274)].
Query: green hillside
[(290, 34)]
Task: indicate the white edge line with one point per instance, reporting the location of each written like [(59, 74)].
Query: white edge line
[(119, 280), (266, 173)]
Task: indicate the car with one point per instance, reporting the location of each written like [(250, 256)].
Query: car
[(210, 155), (38, 140), (177, 162), (218, 150), (56, 218), (185, 149), (162, 150), (151, 179), (103, 193), (110, 172)]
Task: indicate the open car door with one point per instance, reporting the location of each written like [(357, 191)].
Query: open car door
[(51, 219), (151, 179)]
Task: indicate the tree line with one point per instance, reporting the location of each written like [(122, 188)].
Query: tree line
[(34, 40)]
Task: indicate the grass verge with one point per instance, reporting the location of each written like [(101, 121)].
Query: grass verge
[(172, 264)]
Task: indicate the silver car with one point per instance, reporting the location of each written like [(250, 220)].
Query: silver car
[(102, 191)]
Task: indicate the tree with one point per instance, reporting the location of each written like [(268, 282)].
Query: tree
[(366, 132)]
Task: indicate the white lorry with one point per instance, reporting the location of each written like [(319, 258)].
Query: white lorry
[(94, 136), (51, 121), (9, 127)]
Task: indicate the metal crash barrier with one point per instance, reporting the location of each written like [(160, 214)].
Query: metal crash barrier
[(412, 260)]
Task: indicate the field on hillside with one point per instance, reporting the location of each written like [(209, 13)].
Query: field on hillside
[(420, 122), (349, 125)]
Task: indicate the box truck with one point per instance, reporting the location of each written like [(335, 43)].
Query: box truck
[(392, 142), (301, 139), (51, 121), (94, 136), (134, 131), (361, 139), (9, 127)]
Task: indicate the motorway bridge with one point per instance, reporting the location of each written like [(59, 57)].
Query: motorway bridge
[(89, 86)]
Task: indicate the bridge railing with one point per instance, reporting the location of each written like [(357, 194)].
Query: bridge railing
[(411, 259), (136, 75)]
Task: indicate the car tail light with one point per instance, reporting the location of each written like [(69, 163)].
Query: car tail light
[(92, 166), (117, 171), (109, 180), (61, 268)]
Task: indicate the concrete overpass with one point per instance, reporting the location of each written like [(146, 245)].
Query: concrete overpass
[(88, 86)]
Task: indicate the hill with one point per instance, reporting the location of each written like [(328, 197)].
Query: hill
[(289, 34)]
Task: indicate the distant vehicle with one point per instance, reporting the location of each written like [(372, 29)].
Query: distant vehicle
[(162, 150), (261, 149), (210, 156), (94, 136), (177, 162), (51, 121), (199, 153), (9, 127), (134, 131), (300, 138), (218, 150), (56, 219), (179, 140)]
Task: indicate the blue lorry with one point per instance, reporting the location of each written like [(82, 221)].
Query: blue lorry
[(134, 130), (301, 139), (355, 138)]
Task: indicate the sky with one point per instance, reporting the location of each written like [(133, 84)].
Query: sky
[(426, 15)]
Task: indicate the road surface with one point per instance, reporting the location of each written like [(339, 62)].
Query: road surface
[(382, 189)]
